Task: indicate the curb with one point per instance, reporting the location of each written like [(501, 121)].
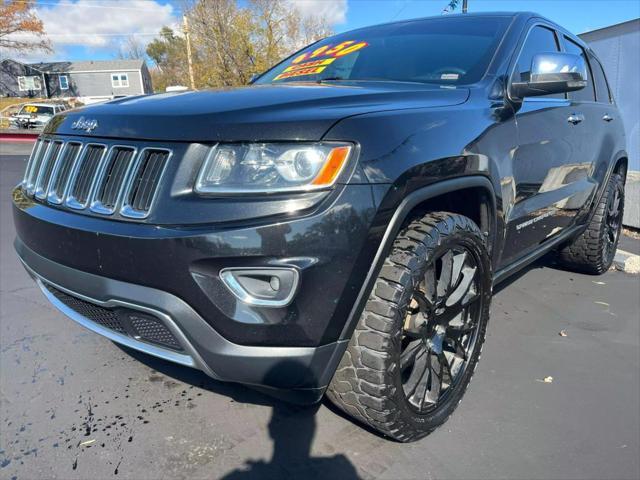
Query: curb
[(627, 262), (18, 137)]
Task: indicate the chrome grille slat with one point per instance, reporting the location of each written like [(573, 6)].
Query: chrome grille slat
[(85, 175), (46, 169), (34, 152), (62, 172), (34, 167), (144, 182), (103, 178), (111, 179)]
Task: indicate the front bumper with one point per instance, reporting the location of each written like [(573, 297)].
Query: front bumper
[(172, 274), (301, 372)]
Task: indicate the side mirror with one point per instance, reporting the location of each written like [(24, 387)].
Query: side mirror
[(552, 73)]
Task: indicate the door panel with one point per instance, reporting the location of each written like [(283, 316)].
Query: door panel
[(549, 176), (550, 186)]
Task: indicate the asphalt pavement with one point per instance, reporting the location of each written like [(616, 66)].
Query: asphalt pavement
[(74, 405)]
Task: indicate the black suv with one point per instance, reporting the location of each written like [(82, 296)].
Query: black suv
[(338, 225)]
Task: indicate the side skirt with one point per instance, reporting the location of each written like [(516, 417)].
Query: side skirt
[(519, 264)]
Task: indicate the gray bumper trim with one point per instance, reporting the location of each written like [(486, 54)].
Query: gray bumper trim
[(163, 353), (299, 368)]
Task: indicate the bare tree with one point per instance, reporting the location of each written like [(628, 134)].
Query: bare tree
[(20, 28), (131, 49)]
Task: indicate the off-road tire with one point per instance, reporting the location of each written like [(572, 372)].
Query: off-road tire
[(367, 383), (587, 253)]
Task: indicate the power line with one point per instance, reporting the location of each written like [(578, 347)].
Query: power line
[(401, 10), (97, 34)]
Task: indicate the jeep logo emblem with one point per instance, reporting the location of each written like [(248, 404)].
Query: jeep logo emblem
[(85, 124)]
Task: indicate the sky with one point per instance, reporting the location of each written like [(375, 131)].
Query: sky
[(92, 29)]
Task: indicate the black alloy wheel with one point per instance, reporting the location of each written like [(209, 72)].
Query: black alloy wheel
[(419, 338), (613, 224), (440, 329)]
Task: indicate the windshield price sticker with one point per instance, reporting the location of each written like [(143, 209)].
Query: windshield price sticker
[(305, 65)]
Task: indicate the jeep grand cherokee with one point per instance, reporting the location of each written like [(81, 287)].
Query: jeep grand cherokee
[(338, 225)]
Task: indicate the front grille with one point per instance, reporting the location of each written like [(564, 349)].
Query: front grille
[(100, 315), (97, 177), (152, 330), (126, 321)]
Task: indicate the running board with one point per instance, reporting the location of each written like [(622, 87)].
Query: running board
[(518, 265)]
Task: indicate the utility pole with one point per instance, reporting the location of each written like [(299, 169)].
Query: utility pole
[(464, 6), (189, 59)]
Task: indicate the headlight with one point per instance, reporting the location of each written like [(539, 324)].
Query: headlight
[(271, 167)]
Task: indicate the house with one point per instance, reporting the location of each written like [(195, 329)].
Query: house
[(87, 81)]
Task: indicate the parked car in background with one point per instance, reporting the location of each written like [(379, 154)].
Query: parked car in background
[(339, 225), (36, 115)]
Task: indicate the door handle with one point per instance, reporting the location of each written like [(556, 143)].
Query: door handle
[(575, 118), (607, 118)]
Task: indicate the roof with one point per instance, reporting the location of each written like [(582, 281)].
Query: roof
[(612, 29), (88, 66), (449, 16), (36, 104)]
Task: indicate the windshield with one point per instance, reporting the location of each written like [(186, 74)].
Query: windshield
[(30, 109), (445, 51)]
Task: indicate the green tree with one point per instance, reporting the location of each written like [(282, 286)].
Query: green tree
[(453, 4), (168, 53)]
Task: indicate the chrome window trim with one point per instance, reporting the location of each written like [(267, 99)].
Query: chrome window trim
[(70, 200), (512, 66), (126, 210), (41, 191), (51, 196), (95, 205)]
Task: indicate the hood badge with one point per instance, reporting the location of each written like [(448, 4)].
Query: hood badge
[(86, 124)]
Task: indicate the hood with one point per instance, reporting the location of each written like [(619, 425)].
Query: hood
[(254, 113)]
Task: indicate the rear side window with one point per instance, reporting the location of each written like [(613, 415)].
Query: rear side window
[(586, 94), (539, 40), (603, 93)]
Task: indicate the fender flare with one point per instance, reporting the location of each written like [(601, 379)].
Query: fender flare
[(601, 188), (399, 216)]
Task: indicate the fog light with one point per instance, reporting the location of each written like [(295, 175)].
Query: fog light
[(262, 287)]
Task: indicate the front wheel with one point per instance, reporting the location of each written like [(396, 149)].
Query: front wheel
[(419, 337)]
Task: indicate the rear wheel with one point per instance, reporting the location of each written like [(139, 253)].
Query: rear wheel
[(419, 338), (594, 249)]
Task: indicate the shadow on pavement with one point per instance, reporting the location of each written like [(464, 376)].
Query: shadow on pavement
[(291, 427)]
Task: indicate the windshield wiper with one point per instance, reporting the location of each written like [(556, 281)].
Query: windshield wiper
[(331, 79)]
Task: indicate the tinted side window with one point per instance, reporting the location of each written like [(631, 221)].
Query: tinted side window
[(539, 40), (587, 93), (602, 87)]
